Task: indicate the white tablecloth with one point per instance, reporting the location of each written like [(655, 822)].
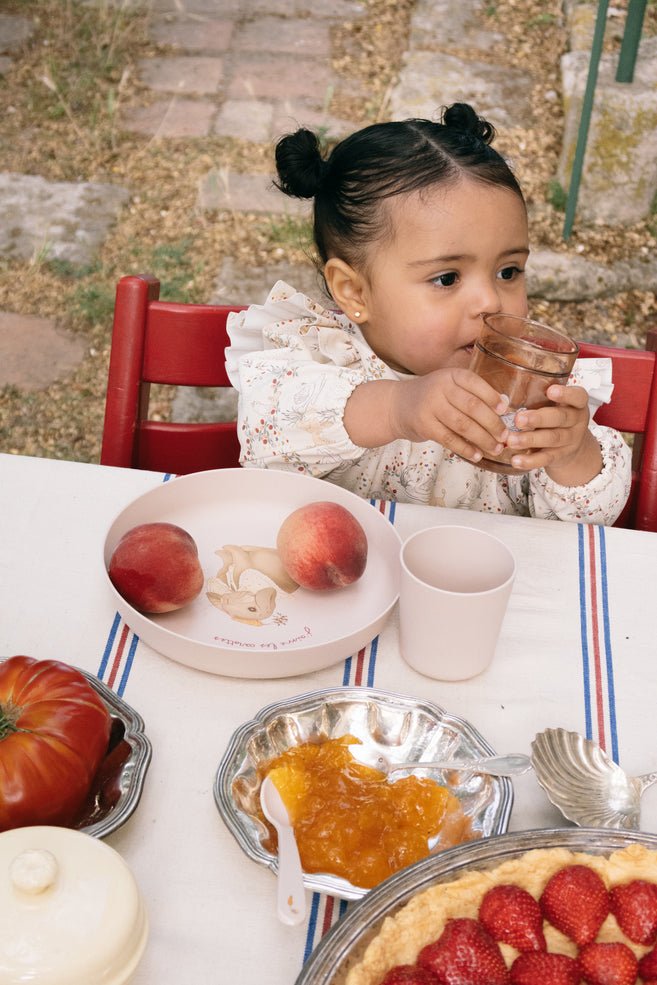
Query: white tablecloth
[(578, 649)]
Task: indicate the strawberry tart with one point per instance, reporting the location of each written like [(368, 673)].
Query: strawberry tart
[(548, 917)]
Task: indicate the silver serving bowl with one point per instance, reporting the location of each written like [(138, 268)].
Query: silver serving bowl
[(119, 780), (398, 726), (586, 785), (345, 943), (118, 784)]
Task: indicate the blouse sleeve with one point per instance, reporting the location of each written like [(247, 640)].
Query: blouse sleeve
[(295, 365), (599, 501)]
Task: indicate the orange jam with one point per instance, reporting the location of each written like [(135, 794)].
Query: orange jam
[(351, 821)]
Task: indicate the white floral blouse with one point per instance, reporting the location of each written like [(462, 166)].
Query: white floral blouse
[(295, 364)]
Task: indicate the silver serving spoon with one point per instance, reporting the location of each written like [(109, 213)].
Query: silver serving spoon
[(586, 785), (291, 899), (510, 765)]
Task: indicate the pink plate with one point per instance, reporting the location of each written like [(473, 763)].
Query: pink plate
[(243, 624)]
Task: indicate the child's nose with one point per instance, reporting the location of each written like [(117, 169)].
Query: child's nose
[(486, 299)]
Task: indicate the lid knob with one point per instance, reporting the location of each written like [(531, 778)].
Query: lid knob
[(33, 871)]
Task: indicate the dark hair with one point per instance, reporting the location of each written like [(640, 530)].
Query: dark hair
[(380, 161)]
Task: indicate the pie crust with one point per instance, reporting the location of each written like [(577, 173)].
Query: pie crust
[(423, 918)]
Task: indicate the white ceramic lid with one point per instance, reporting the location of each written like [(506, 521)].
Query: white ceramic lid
[(70, 910)]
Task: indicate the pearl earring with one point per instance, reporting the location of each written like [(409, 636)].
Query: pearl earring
[(356, 314)]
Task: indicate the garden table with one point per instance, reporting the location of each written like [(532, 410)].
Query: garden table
[(577, 650)]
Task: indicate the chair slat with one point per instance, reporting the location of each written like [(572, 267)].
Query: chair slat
[(185, 344)]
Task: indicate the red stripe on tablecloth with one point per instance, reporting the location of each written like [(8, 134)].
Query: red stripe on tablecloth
[(116, 663), (360, 660), (328, 915), (595, 634)]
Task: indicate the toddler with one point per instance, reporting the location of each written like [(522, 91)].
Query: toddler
[(421, 227)]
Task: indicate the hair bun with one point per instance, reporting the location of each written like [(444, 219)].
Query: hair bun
[(299, 163), (461, 116)]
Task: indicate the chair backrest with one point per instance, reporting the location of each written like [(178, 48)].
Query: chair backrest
[(163, 342), (633, 410)]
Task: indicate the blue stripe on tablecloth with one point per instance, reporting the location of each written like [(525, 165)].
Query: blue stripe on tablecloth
[(312, 926), (109, 644), (132, 649), (583, 632), (352, 673), (374, 646)]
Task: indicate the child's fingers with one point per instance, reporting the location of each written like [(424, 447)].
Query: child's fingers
[(557, 437), (572, 396), (545, 418), (479, 407), (471, 383), (464, 449)]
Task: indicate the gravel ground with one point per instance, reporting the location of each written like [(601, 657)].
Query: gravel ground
[(58, 118)]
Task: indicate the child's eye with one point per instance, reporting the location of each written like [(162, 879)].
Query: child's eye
[(445, 280), (510, 273)]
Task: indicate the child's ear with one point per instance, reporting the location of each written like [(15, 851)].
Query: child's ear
[(347, 288)]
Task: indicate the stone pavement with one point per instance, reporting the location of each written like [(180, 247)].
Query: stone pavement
[(254, 69)]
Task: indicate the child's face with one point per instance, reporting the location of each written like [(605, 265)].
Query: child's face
[(457, 252)]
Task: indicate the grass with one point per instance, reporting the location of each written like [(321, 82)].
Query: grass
[(81, 70)]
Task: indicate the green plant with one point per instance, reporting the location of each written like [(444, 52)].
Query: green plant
[(95, 302), (541, 20), (290, 231), (176, 265), (557, 196), (71, 271)]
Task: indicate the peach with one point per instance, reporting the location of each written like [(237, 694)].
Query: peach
[(322, 545), (155, 567)]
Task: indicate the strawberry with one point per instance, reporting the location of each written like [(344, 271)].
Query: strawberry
[(464, 954), (648, 967), (539, 968), (608, 964), (634, 904), (409, 974), (510, 914), (576, 902)]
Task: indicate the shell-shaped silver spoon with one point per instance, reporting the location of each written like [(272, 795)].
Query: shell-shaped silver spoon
[(586, 785)]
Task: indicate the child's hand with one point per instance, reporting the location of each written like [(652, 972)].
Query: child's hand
[(558, 438), (454, 407)]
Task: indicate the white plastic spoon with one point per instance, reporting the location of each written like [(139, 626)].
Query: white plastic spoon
[(510, 765), (291, 900)]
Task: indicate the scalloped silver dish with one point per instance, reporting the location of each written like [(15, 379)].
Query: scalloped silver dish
[(119, 782), (399, 726), (345, 943), (586, 785)]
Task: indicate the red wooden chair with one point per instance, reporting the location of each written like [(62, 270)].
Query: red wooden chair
[(633, 409), (183, 344), (164, 342)]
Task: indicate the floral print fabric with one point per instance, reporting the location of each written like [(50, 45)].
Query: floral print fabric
[(295, 364)]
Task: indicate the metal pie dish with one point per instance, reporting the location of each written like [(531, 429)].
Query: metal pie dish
[(344, 945), (398, 726)]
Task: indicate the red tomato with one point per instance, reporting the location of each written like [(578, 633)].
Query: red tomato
[(54, 732)]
